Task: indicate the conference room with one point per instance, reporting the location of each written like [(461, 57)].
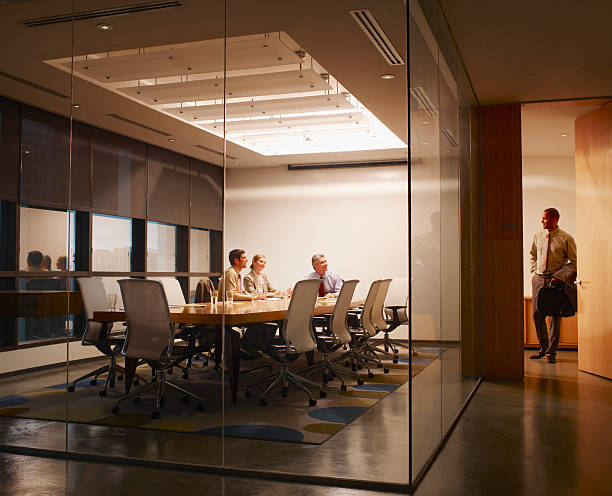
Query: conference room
[(142, 142)]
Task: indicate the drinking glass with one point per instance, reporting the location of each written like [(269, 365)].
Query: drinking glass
[(213, 298), (112, 301), (229, 297)]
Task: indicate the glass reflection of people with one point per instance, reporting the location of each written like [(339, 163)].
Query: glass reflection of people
[(553, 260), (331, 283), (35, 261), (61, 263), (256, 281), (232, 280), (426, 250), (46, 264)]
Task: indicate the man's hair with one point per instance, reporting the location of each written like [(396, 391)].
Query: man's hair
[(553, 212), (35, 258), (316, 258), (235, 254)]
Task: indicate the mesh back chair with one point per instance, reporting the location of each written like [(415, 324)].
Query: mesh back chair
[(150, 337), (335, 335), (298, 338), (361, 352), (396, 315), (189, 334), (98, 334)]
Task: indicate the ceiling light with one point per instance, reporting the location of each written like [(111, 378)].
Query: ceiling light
[(387, 76), (172, 140), (564, 134), (76, 106), (104, 26)]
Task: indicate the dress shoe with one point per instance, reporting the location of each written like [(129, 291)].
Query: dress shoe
[(552, 359), (537, 356)]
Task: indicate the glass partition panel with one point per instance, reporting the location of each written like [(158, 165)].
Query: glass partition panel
[(37, 225), (154, 174), (317, 180)]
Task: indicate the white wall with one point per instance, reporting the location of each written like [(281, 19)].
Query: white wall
[(547, 182)]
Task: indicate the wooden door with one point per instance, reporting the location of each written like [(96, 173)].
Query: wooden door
[(594, 239)]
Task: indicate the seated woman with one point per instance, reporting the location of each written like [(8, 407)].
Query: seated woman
[(256, 281)]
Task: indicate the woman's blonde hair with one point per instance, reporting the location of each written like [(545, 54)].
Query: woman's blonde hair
[(255, 258)]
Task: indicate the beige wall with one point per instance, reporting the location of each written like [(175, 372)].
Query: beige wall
[(547, 182)]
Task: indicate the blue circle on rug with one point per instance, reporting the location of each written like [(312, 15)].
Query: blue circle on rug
[(377, 387), (418, 360), (81, 384), (257, 431), (339, 414), (12, 400)]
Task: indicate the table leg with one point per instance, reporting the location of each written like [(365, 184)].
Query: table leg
[(232, 359), (130, 371)]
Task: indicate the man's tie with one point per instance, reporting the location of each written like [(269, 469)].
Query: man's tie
[(321, 288), (239, 283), (543, 256)]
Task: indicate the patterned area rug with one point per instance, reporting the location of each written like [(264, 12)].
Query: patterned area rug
[(288, 419)]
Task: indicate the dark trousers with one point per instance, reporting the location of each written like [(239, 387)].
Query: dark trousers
[(258, 336), (548, 344)]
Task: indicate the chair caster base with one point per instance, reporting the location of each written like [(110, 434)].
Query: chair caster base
[(343, 387), (386, 371), (71, 389), (322, 394), (155, 414), (93, 382), (136, 382), (120, 378), (263, 402), (102, 393), (248, 394), (200, 407), (370, 375), (312, 402), (395, 360), (360, 382), (379, 365), (185, 376), (115, 410), (284, 392)]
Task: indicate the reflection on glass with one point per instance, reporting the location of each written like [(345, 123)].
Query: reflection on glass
[(161, 247), (44, 239), (112, 243), (199, 258)]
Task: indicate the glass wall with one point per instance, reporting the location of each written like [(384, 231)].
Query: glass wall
[(174, 135)]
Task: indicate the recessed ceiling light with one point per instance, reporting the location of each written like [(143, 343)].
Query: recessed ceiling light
[(76, 106), (172, 140), (564, 134), (387, 76), (104, 26)]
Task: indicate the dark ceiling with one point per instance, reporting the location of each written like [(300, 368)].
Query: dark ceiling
[(526, 50)]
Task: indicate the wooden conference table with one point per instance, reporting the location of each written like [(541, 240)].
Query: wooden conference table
[(235, 314)]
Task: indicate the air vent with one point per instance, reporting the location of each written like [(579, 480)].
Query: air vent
[(450, 137), (202, 147), (143, 126), (96, 14), (377, 36), (33, 85), (421, 96)]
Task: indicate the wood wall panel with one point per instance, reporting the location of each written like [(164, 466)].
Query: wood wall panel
[(502, 234), (593, 239), (502, 285), (502, 172)]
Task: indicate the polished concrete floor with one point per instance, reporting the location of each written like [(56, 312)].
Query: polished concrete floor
[(547, 434)]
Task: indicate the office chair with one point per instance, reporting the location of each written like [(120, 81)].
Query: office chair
[(334, 335), (150, 337), (298, 338), (396, 315), (98, 334)]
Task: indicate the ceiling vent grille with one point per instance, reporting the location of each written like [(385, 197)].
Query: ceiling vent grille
[(377, 36), (345, 165), (202, 147), (95, 14), (450, 137), (143, 126), (421, 96), (33, 85)]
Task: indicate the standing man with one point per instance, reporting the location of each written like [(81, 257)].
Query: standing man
[(232, 280), (330, 282), (553, 259)]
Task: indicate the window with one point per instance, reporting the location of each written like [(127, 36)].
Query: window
[(199, 259), (161, 247), (112, 243)]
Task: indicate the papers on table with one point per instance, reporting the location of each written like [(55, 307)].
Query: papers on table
[(188, 305)]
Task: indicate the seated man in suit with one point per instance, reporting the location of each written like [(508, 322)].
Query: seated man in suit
[(331, 283), (232, 280), (553, 259)]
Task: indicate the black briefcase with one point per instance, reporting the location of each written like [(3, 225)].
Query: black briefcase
[(553, 301)]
